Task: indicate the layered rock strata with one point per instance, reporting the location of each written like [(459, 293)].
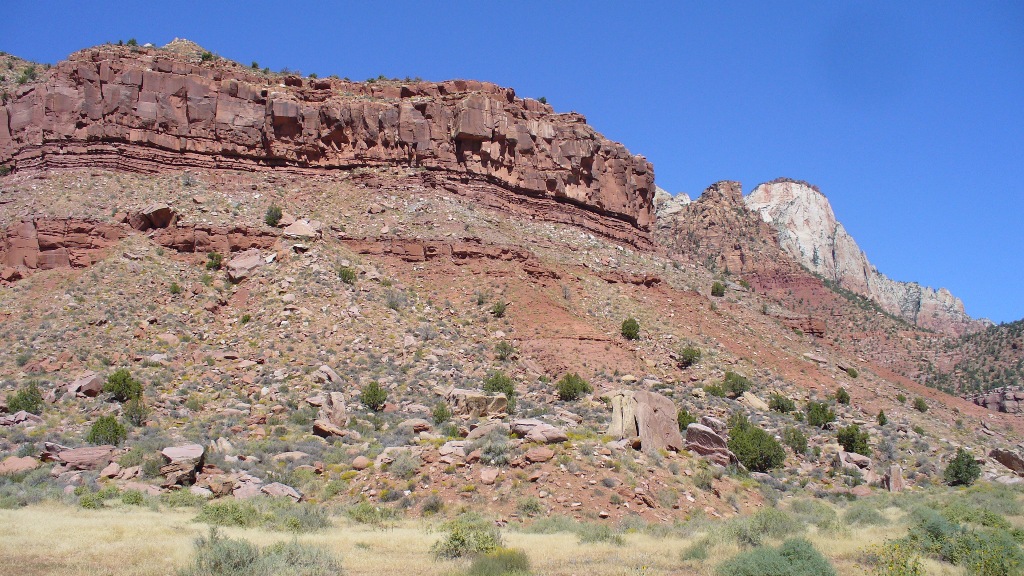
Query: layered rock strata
[(149, 109)]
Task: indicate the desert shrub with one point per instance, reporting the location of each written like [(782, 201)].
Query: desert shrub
[(239, 513), (504, 350), (175, 288), (842, 396), (4, 170), (684, 418), (282, 514), (901, 398), (367, 513), (920, 405), (769, 523), (853, 439), (962, 470), (735, 385), (852, 372), (780, 403), (718, 289), (494, 448), (467, 534), (896, 558), (431, 505), (373, 396), (590, 533), (688, 356), (795, 439), (133, 498), (28, 398), (498, 310), (630, 329), (572, 386), (882, 418), (273, 215), (529, 506), (405, 464), (501, 562), (441, 413), (91, 501), (815, 512), (135, 411), (499, 382), (819, 414), (347, 274), (755, 448), (216, 554), (795, 557), (181, 499), (864, 514), (106, 430), (715, 390), (214, 261), (122, 386)]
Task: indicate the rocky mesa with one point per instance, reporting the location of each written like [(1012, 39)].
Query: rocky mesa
[(149, 110)]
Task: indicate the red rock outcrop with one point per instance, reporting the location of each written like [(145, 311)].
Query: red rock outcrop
[(149, 109), (47, 243)]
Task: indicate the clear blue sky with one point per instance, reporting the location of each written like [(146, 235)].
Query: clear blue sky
[(908, 115)]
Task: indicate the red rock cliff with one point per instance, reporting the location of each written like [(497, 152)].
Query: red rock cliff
[(152, 109)]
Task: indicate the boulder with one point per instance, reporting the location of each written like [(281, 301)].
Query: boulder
[(159, 215), (303, 229), (243, 264), (326, 429), (20, 417), (720, 428), (16, 465), (893, 479), (278, 490), (488, 476), (361, 463), (415, 425), (485, 429), (648, 416), (1008, 458), (536, 431), (333, 410), (183, 462), (88, 385), (111, 471), (753, 402), (703, 440), (476, 404), (86, 458), (539, 454)]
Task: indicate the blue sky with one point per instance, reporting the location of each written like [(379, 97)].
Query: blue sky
[(908, 115)]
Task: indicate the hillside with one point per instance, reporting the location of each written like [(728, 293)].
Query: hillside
[(396, 302)]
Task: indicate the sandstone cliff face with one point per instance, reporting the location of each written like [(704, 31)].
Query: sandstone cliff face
[(151, 109), (807, 229)]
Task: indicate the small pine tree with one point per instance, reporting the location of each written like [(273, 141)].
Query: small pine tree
[(106, 430), (122, 386), (842, 396), (882, 419), (630, 329), (780, 403), (853, 439), (572, 386), (684, 418), (920, 405), (500, 382), (688, 356), (735, 385), (441, 413), (755, 448), (273, 216), (374, 396), (29, 399), (819, 414), (718, 289), (963, 470)]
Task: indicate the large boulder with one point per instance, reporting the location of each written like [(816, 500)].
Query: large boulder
[(86, 458), (183, 462), (476, 404), (333, 409), (243, 264), (15, 465), (88, 385), (20, 417), (893, 479), (536, 431), (648, 416), (703, 440), (278, 490), (1008, 458)]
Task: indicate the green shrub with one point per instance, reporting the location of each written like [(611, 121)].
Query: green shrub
[(920, 405), (735, 385), (494, 448), (853, 439), (795, 439), (468, 534), (780, 403), (755, 448), (816, 512), (768, 523), (842, 396), (273, 216), (239, 513), (715, 390), (4, 170), (405, 465), (441, 413), (133, 498), (498, 382), (684, 418), (630, 329), (373, 396), (214, 261), (175, 288), (962, 470), (29, 399), (718, 289), (865, 514), (216, 554), (180, 498), (106, 430), (206, 56), (501, 562), (367, 513), (122, 386), (91, 501), (504, 350), (135, 411), (882, 419), (688, 356), (796, 557), (590, 533), (571, 387), (347, 275), (852, 372), (498, 310), (819, 414), (901, 398)]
